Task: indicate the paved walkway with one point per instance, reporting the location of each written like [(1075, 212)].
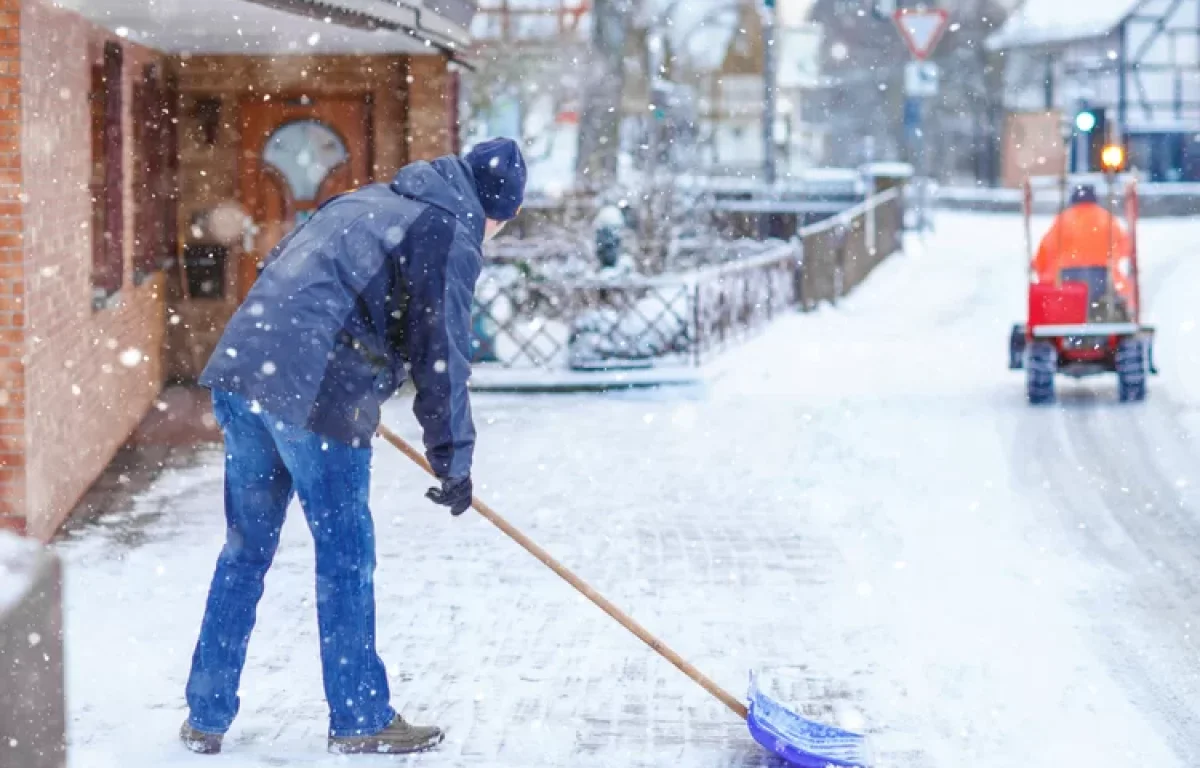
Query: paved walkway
[(848, 504)]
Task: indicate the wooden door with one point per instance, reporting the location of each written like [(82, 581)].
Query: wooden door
[(297, 153)]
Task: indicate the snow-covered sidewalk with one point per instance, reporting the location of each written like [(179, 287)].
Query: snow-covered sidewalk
[(852, 501)]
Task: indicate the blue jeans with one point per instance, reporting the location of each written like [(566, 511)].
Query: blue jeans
[(267, 461)]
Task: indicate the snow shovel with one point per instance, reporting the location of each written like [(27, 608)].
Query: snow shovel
[(798, 741)]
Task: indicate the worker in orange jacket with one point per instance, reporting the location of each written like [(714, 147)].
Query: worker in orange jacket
[(1077, 249)]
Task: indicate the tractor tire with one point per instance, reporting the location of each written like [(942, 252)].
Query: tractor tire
[(1016, 348), (1041, 363), (1131, 370)]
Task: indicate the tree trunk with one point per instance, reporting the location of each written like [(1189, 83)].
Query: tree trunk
[(600, 123)]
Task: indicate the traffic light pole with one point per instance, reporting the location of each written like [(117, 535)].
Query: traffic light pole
[(769, 95)]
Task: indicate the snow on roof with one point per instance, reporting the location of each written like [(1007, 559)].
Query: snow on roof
[(701, 30), (1041, 22), (799, 56), (903, 170), (266, 27)]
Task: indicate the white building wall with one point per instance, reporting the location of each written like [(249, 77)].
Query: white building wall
[(1087, 70)]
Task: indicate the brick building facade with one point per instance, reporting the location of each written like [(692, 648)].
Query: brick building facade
[(118, 141)]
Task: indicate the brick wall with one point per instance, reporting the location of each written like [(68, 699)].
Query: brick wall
[(85, 388), (429, 110), (12, 284)]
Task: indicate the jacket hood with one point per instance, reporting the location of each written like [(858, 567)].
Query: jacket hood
[(447, 183)]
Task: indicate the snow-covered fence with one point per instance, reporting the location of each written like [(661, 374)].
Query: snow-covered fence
[(32, 712), (841, 251), (525, 322), (528, 319), (733, 300), (631, 321)]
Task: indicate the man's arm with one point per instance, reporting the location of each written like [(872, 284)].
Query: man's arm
[(440, 280)]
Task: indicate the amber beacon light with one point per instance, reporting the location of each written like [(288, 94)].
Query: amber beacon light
[(1113, 158)]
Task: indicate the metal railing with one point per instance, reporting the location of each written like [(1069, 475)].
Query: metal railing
[(841, 251), (526, 321), (582, 323), (734, 300)]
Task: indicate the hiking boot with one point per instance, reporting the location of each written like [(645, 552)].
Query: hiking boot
[(399, 738), (198, 741)]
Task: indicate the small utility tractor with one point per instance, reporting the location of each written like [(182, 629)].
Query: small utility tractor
[(1084, 309)]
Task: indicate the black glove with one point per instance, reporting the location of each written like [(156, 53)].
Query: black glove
[(454, 493)]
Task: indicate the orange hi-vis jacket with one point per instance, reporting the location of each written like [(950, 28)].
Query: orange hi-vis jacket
[(1080, 237)]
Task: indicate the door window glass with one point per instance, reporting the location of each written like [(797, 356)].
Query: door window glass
[(304, 152)]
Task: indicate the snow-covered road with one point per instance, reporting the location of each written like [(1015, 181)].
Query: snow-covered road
[(862, 499)]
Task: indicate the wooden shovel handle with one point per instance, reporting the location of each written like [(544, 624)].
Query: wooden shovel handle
[(737, 707)]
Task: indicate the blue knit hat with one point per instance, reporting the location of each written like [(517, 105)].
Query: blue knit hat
[(1083, 193), (499, 171)]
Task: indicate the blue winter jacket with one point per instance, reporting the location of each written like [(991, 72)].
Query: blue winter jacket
[(377, 283)]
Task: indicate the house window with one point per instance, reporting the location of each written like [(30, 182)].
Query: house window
[(154, 195), (107, 176)]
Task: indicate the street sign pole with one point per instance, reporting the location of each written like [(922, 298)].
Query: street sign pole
[(769, 109), (915, 134), (921, 28)]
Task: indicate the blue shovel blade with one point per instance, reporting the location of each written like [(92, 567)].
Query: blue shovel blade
[(801, 742)]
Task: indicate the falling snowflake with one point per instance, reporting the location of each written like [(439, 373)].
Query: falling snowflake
[(132, 357)]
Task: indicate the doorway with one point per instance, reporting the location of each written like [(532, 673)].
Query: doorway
[(297, 153)]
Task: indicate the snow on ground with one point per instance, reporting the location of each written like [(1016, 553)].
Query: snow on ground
[(863, 500)]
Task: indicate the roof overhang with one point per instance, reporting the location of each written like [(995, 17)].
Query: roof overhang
[(1049, 24), (445, 23), (1047, 40), (283, 27)]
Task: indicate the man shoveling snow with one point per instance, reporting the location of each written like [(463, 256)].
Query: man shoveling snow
[(376, 285)]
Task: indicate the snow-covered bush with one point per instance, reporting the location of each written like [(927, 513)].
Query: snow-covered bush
[(653, 326)]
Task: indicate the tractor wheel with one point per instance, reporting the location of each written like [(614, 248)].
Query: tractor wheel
[(1041, 363), (1016, 348), (1131, 370)]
